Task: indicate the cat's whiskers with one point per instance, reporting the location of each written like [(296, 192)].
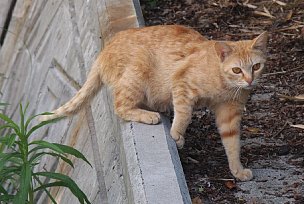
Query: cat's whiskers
[(237, 93), (233, 91), (230, 92)]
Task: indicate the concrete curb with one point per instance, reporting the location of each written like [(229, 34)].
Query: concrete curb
[(154, 169), (139, 15), (154, 172)]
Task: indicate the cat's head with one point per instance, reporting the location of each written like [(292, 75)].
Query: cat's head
[(242, 62)]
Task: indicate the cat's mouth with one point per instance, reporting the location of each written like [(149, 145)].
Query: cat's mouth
[(249, 87)]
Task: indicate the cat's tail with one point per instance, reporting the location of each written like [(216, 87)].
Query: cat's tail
[(84, 95)]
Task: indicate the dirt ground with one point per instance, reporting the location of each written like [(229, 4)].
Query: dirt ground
[(272, 147)]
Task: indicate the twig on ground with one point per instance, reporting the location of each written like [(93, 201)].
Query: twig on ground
[(293, 27), (193, 160), (284, 72), (276, 134), (274, 73), (299, 98), (220, 179), (298, 126)]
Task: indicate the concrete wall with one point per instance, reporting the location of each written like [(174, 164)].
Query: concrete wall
[(45, 61)]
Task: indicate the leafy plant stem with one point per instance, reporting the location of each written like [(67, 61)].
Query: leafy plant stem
[(31, 195), (46, 191), (19, 155)]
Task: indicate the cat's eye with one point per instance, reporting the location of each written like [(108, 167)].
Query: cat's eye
[(237, 70), (256, 67)]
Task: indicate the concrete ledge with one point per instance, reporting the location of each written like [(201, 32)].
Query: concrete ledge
[(140, 162), (147, 157), (154, 169)]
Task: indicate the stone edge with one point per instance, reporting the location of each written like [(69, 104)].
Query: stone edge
[(136, 147)]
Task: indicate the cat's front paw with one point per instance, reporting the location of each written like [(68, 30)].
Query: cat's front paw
[(151, 118), (243, 174), (179, 139), (180, 143)]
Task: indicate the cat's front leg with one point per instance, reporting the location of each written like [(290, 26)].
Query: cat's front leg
[(228, 118), (182, 117)]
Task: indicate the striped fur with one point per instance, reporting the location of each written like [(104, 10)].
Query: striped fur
[(228, 118), (155, 69)]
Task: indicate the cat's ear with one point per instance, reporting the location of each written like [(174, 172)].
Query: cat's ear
[(223, 50), (260, 42)]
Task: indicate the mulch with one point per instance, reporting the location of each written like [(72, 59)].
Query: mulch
[(273, 107)]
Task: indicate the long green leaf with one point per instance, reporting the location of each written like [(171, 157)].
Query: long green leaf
[(2, 190), (11, 140), (9, 155), (9, 176), (10, 121), (8, 141), (11, 170), (68, 182), (44, 144), (35, 149), (38, 155), (66, 160), (25, 182), (26, 107), (36, 127), (5, 157), (22, 130), (46, 191), (6, 126), (6, 198), (5, 139), (70, 150), (54, 184)]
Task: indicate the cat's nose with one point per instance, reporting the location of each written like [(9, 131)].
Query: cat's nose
[(249, 81)]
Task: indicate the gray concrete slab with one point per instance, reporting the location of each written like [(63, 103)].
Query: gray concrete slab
[(275, 181), (160, 170)]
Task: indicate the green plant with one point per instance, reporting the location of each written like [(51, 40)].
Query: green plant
[(19, 156), (152, 3)]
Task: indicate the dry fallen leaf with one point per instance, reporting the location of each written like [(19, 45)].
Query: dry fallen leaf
[(197, 200), (230, 185), (234, 26), (289, 15), (298, 126), (201, 189), (280, 2), (292, 98), (250, 5), (300, 97), (253, 129), (260, 13), (293, 27), (189, 2), (266, 10)]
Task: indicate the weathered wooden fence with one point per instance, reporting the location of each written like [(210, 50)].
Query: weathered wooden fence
[(45, 56)]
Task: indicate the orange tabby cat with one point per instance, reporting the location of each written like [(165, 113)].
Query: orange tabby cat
[(164, 67)]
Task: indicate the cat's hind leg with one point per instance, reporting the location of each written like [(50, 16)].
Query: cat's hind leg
[(126, 104)]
